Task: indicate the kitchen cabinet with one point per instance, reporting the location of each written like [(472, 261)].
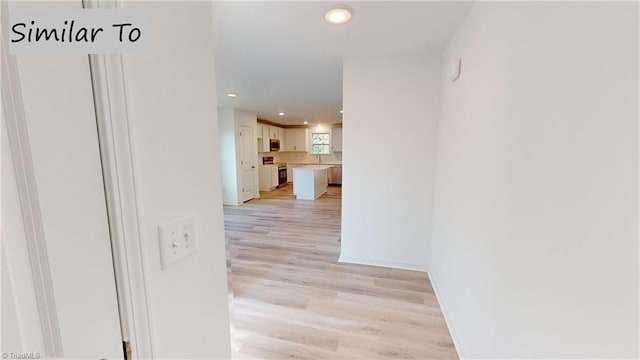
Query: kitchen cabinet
[(336, 140), (274, 132), (263, 145), (290, 168), (263, 141), (259, 132), (296, 140), (271, 132), (268, 177), (310, 182), (266, 133), (283, 140), (274, 177)]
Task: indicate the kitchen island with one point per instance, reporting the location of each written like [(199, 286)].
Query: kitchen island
[(310, 181)]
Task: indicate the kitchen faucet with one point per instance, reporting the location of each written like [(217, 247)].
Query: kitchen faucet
[(319, 159)]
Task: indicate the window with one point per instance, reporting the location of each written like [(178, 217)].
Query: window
[(320, 143)]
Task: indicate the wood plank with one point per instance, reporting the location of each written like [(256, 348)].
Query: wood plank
[(290, 298)]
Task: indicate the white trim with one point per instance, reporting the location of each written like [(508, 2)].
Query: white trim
[(20, 146), (122, 201), (456, 341), (231, 204), (415, 267), (122, 198), (382, 263)]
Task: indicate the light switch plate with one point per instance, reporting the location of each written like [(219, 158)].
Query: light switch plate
[(177, 240)]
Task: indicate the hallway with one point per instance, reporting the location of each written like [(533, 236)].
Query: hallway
[(292, 299)]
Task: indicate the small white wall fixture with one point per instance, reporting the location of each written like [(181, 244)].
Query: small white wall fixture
[(453, 71)]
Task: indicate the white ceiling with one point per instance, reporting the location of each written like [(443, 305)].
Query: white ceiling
[(284, 57)]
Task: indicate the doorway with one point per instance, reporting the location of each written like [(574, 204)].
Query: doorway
[(55, 234)]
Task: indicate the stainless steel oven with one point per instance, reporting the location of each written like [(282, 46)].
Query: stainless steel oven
[(282, 175)]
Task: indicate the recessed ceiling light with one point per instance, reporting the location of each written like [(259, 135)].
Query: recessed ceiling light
[(340, 111), (281, 113), (232, 95), (337, 16), (306, 122)]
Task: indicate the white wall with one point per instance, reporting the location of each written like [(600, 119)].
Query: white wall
[(228, 154), (390, 110), (229, 122), (534, 251), (175, 130)]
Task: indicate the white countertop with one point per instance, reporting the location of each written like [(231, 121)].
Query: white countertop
[(313, 163), (313, 167)]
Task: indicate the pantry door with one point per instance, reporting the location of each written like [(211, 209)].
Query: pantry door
[(247, 162), (58, 186)]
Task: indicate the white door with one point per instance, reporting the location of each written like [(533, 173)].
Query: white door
[(247, 163), (66, 220)]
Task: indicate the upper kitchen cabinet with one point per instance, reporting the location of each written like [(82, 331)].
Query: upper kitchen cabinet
[(274, 132), (296, 140), (281, 137), (267, 133), (259, 132), (263, 140), (289, 139), (336, 140)]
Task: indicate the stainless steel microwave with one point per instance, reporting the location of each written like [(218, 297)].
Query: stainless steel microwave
[(275, 144)]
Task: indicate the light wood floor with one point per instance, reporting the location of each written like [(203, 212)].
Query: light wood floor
[(290, 298)]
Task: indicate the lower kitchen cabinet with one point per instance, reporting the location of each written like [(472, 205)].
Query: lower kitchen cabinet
[(268, 177), (290, 168)]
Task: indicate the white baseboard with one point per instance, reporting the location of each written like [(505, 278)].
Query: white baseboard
[(230, 203), (443, 308), (414, 267), (383, 263)]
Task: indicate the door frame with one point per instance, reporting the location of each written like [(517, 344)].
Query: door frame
[(118, 160), (118, 165), (20, 147)]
